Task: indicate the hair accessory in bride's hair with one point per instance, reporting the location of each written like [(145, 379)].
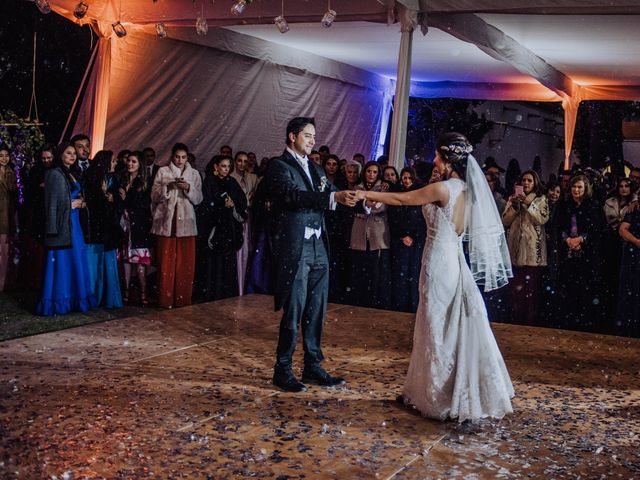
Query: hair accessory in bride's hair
[(457, 148)]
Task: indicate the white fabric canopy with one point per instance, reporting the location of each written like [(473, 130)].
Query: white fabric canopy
[(169, 91), (507, 64)]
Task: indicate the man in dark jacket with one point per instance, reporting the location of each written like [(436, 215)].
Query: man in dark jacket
[(301, 194)]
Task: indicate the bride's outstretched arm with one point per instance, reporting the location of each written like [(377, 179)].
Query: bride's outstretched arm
[(431, 193)]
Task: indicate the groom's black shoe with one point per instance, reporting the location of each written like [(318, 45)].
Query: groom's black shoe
[(318, 376), (286, 380)]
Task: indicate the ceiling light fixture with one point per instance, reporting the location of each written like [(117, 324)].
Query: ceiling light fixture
[(81, 10), (329, 16), (202, 27), (281, 22), (161, 31), (118, 28), (239, 7), (43, 6)]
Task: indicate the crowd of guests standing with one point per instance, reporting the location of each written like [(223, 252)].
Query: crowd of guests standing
[(113, 229), (575, 245)]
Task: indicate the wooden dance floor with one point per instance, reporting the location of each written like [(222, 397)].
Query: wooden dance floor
[(187, 394)]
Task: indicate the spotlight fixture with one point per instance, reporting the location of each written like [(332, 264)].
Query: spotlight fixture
[(161, 31), (202, 28), (239, 7), (281, 23), (43, 6), (328, 18), (81, 10), (119, 29)]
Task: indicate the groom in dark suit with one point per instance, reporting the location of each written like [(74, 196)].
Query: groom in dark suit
[(301, 194)]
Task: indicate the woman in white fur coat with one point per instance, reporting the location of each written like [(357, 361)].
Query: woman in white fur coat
[(177, 188)]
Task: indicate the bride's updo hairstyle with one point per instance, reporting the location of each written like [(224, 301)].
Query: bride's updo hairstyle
[(454, 149)]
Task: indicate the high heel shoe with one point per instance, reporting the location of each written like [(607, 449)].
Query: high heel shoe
[(125, 297), (143, 300)]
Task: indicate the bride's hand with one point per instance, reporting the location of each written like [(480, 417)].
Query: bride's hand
[(360, 195)]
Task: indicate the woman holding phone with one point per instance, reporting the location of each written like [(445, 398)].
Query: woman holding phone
[(176, 189), (525, 214)]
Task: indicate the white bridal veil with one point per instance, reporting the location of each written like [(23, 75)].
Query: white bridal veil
[(488, 253)]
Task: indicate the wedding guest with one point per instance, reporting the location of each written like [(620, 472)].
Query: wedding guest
[(358, 157), (383, 160), (634, 176), (628, 311), (525, 215), (224, 210), (67, 285), (262, 167), (343, 163), (134, 202), (259, 279), (150, 164), (408, 236), (314, 156), (191, 158), (104, 234), (332, 171), (512, 175), (252, 163), (491, 167), (369, 247), (536, 166), (176, 189), (352, 174), (121, 161), (615, 209), (550, 305), (390, 175), (82, 144), (248, 183), (494, 183), (338, 223), (226, 151), (32, 265), (8, 191), (341, 291), (580, 225), (324, 152)]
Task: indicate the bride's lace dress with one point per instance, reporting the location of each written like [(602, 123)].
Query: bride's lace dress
[(456, 368)]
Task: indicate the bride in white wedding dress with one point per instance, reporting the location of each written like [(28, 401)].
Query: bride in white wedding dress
[(456, 369)]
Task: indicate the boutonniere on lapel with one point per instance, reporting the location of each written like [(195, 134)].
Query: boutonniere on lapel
[(323, 183)]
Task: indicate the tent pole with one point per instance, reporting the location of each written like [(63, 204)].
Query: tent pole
[(570, 106), (401, 100)]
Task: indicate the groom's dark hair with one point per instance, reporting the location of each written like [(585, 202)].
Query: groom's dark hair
[(296, 125)]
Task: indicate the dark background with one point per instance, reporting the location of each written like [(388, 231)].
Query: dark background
[(63, 51)]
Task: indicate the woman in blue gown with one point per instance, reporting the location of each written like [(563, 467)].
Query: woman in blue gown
[(67, 286), (104, 233)]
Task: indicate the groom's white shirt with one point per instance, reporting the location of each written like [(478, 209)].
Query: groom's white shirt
[(304, 163)]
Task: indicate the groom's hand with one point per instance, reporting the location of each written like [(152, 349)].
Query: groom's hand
[(346, 197)]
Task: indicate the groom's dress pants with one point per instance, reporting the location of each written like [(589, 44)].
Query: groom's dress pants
[(306, 305)]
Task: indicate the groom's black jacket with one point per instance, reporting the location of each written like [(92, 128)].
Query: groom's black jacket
[(297, 204)]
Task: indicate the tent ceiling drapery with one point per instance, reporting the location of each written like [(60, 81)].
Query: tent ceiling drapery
[(569, 58), (183, 12), (575, 57)]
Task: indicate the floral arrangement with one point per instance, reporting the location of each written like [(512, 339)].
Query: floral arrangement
[(24, 139)]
